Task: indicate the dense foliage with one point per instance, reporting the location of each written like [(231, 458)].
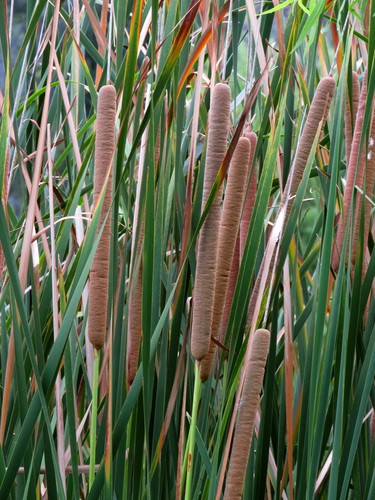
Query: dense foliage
[(229, 231)]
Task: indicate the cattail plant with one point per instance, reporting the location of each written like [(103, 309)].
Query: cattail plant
[(98, 298), (207, 244), (351, 108), (229, 226), (317, 115), (354, 176), (104, 150), (241, 238), (135, 313), (245, 422)]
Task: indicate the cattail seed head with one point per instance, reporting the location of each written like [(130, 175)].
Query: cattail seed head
[(250, 195), (246, 415), (104, 151), (351, 109), (135, 314), (207, 244), (370, 184), (235, 267), (229, 226), (318, 112), (354, 176)]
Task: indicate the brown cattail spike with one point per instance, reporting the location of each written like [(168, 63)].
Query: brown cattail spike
[(250, 195), (248, 407), (135, 313), (104, 151), (354, 176), (230, 219), (318, 113), (234, 269), (370, 184), (351, 108), (207, 245)]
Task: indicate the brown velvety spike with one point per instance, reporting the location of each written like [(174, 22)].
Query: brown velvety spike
[(104, 151), (351, 109), (229, 226), (354, 177), (135, 314), (250, 195), (366, 20), (370, 185), (207, 244), (318, 112), (235, 267), (247, 409)]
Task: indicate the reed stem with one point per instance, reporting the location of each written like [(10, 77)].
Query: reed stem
[(193, 426), (94, 414)]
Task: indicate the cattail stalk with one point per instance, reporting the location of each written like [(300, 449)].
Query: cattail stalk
[(98, 297), (207, 244), (247, 409), (354, 176), (104, 151), (317, 115), (230, 219), (351, 109)]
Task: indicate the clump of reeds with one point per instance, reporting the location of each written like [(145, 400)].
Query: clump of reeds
[(247, 409), (355, 175), (229, 226), (207, 244), (104, 151)]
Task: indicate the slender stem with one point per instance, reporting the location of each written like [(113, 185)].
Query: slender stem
[(126, 466), (94, 411), (185, 461), (193, 426)]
